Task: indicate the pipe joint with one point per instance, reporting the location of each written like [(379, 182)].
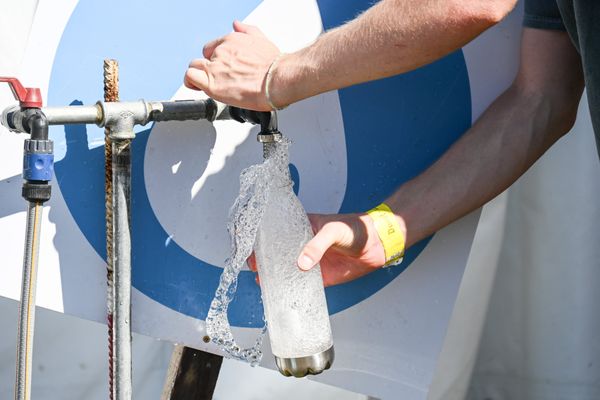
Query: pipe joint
[(120, 118)]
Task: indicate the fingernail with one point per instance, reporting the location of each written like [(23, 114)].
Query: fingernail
[(305, 262)]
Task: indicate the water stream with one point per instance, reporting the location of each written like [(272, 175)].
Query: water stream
[(244, 220)]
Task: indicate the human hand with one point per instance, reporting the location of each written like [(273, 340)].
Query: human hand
[(346, 245), (234, 68)]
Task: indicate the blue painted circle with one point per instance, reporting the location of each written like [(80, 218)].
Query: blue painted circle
[(394, 129)]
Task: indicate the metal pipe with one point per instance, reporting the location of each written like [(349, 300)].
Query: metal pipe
[(73, 115), (27, 304), (137, 112), (119, 119), (121, 261)]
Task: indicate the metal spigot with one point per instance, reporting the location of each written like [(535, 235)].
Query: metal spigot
[(38, 166), (269, 132)]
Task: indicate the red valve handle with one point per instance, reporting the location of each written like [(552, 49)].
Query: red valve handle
[(28, 97)]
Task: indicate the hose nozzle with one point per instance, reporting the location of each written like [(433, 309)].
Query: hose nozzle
[(269, 133)]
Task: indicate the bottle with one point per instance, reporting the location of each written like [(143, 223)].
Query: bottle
[(293, 300)]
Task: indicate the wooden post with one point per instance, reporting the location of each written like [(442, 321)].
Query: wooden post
[(192, 375)]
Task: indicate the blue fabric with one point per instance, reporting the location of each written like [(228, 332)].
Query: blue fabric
[(582, 21), (542, 14)]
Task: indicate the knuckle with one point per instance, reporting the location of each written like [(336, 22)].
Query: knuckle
[(219, 52), (197, 63), (332, 226), (313, 251)]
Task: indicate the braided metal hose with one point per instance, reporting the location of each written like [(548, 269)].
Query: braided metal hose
[(27, 304)]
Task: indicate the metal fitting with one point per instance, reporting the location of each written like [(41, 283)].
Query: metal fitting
[(271, 137), (8, 119), (120, 118), (18, 119)]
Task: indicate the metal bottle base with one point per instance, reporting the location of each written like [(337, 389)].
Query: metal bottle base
[(309, 365)]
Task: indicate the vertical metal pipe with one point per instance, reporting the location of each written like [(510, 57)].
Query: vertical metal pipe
[(111, 93), (27, 304), (121, 260)]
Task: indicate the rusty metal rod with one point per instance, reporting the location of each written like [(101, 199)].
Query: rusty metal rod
[(111, 93)]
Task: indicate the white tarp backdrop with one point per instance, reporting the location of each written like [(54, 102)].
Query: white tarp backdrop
[(412, 373), (188, 187), (540, 336)]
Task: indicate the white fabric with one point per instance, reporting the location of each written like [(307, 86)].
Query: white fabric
[(537, 251), (70, 363), (540, 339), (540, 241), (70, 358), (457, 360)]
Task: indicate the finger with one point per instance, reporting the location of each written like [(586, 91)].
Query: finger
[(251, 261), (257, 279), (316, 247), (199, 63), (197, 77), (241, 27), (209, 48), (188, 83)]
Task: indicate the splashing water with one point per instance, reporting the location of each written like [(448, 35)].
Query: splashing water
[(244, 220)]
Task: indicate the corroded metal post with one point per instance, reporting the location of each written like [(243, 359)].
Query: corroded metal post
[(121, 261), (118, 241), (111, 93)]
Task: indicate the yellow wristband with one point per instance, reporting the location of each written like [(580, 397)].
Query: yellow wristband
[(389, 231)]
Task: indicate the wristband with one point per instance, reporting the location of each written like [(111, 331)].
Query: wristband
[(268, 83), (389, 232)]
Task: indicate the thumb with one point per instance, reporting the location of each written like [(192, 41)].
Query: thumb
[(245, 28), (314, 250)]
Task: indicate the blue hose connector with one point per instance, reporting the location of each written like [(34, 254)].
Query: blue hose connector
[(38, 160)]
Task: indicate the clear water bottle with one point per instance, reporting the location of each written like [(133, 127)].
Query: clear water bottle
[(294, 300)]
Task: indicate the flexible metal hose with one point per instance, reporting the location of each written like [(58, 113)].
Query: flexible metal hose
[(27, 305)]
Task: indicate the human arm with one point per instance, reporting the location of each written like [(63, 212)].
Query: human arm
[(533, 113), (391, 37)]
